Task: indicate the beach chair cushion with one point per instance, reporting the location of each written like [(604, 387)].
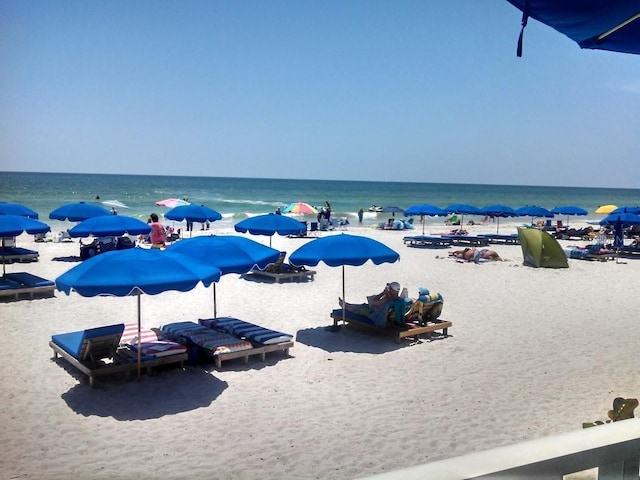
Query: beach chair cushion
[(243, 329), (29, 280), (73, 342), (6, 284), (151, 344), (214, 341)]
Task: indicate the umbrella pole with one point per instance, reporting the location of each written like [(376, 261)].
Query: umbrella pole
[(4, 272), (215, 308), (344, 304), (139, 342)]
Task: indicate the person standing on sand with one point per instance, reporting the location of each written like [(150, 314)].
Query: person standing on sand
[(360, 215)]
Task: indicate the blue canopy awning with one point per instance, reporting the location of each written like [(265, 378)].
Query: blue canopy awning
[(612, 25)]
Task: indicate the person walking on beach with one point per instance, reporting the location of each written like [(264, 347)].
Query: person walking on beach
[(158, 234), (360, 215)]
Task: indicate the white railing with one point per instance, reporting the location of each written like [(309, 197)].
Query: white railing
[(614, 448)]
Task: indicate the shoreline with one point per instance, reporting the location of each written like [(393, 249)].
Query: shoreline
[(532, 352)]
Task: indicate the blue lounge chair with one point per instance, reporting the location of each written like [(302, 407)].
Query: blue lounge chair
[(98, 352), (22, 283)]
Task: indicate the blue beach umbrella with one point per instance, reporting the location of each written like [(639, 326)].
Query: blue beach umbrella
[(10, 208), (425, 209), (634, 210), (230, 253), (598, 24), (534, 211), (619, 221), (341, 250), (462, 209), (569, 210), (77, 212), (14, 225), (270, 224), (193, 213), (133, 272), (498, 211), (110, 226), (392, 210)]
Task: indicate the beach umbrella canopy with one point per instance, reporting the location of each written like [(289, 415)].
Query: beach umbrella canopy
[(10, 208), (133, 272), (612, 25), (605, 209), (569, 210), (300, 207), (634, 210), (340, 250), (77, 212), (498, 211), (534, 211), (619, 221), (624, 218), (110, 226), (230, 253), (171, 202), (270, 224), (425, 209), (462, 209), (14, 225), (193, 213), (393, 210), (114, 203)]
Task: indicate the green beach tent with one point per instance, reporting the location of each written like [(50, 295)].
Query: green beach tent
[(540, 249)]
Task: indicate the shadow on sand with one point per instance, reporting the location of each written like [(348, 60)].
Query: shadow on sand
[(70, 258), (154, 397), (348, 339)]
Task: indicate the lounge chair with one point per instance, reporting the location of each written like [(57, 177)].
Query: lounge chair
[(280, 271), (152, 343), (410, 329), (18, 254), (200, 339), (101, 351), (507, 239), (263, 340), (477, 241), (427, 241), (92, 351), (18, 284)]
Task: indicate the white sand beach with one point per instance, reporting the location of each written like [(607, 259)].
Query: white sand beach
[(532, 352)]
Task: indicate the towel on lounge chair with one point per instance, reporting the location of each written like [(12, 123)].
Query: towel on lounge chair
[(150, 343)]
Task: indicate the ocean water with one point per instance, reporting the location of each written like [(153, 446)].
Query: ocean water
[(237, 198)]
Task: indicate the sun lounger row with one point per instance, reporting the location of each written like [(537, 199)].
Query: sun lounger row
[(226, 338), (508, 239), (411, 329), (20, 284), (18, 254), (477, 241), (426, 241), (112, 349)]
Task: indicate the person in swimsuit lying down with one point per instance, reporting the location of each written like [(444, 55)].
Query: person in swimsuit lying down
[(476, 255)]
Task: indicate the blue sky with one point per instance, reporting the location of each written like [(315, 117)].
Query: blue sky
[(358, 90)]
